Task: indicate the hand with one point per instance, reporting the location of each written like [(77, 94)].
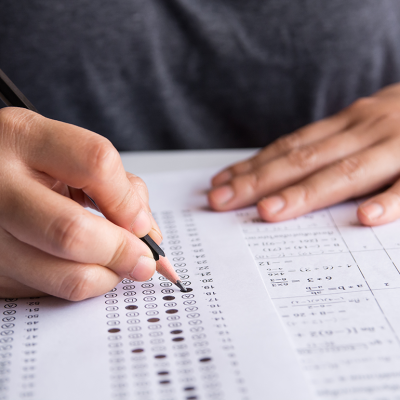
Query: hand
[(49, 244), (350, 154)]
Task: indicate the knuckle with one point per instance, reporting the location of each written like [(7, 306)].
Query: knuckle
[(17, 121), (253, 163), (133, 198), (305, 193), (136, 194), (391, 116), (235, 169), (241, 167), (138, 184), (304, 157), (362, 103), (103, 159), (250, 183), (129, 198), (288, 142), (119, 252), (351, 168), (78, 285), (67, 234)]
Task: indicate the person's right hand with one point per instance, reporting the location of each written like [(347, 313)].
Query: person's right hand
[(49, 244)]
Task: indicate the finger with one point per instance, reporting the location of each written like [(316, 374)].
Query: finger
[(10, 288), (382, 208), (82, 198), (48, 274), (355, 176), (82, 160), (59, 226), (142, 191), (302, 137), (246, 189), (155, 232)]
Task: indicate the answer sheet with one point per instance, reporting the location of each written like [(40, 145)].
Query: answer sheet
[(147, 340)]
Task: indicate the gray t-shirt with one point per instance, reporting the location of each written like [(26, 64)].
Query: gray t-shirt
[(172, 74)]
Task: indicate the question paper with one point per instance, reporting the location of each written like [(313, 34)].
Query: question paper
[(222, 339), (336, 287)]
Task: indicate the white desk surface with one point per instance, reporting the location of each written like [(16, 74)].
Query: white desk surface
[(139, 162)]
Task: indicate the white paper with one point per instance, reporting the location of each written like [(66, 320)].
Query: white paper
[(336, 286), (52, 349)]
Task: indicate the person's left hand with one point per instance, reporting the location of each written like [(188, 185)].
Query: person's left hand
[(350, 154)]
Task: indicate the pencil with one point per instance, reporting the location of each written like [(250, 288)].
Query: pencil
[(164, 267)]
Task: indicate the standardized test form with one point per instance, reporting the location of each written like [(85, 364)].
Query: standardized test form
[(221, 340)]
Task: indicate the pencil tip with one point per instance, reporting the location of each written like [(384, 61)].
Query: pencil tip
[(180, 286)]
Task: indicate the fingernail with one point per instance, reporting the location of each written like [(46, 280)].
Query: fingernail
[(222, 194), (144, 268), (142, 224), (222, 177), (372, 210), (273, 204)]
